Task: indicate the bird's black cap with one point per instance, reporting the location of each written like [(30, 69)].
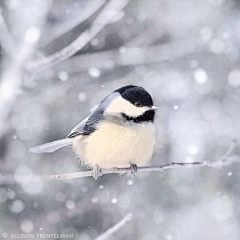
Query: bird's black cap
[(136, 94)]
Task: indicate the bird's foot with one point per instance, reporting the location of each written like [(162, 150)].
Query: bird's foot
[(134, 169), (96, 172)]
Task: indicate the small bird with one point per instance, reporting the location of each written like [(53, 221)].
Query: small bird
[(120, 132)]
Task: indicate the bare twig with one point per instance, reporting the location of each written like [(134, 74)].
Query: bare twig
[(223, 161), (115, 228), (131, 56), (80, 16), (147, 37), (107, 15), (159, 168), (11, 79), (6, 39)]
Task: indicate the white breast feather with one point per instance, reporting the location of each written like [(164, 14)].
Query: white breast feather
[(116, 145)]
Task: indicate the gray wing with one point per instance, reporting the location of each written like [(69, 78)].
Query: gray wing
[(90, 123), (79, 129)]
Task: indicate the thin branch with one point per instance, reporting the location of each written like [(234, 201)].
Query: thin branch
[(132, 56), (147, 37), (223, 161), (115, 228), (107, 15), (80, 16), (11, 79), (6, 39)]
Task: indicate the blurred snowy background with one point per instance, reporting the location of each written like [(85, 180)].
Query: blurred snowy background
[(60, 58)]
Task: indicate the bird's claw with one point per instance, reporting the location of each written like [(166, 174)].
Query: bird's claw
[(96, 172), (134, 169)]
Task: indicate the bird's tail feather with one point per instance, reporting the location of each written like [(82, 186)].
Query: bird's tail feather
[(51, 146)]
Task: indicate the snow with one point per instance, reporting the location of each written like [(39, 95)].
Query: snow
[(234, 78), (200, 76), (94, 72), (63, 76), (27, 226), (17, 206), (32, 35), (184, 53)]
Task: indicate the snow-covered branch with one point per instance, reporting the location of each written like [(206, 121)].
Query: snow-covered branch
[(225, 160), (107, 15), (80, 15), (131, 56), (159, 168), (115, 228), (6, 40), (18, 55)]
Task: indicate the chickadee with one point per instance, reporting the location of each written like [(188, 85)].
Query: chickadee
[(119, 133)]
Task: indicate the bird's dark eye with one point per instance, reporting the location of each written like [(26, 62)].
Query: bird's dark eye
[(138, 104)]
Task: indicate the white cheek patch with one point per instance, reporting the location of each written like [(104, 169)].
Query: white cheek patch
[(120, 105)]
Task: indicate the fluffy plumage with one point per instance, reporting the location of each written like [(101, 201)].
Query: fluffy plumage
[(118, 133), (117, 145)]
